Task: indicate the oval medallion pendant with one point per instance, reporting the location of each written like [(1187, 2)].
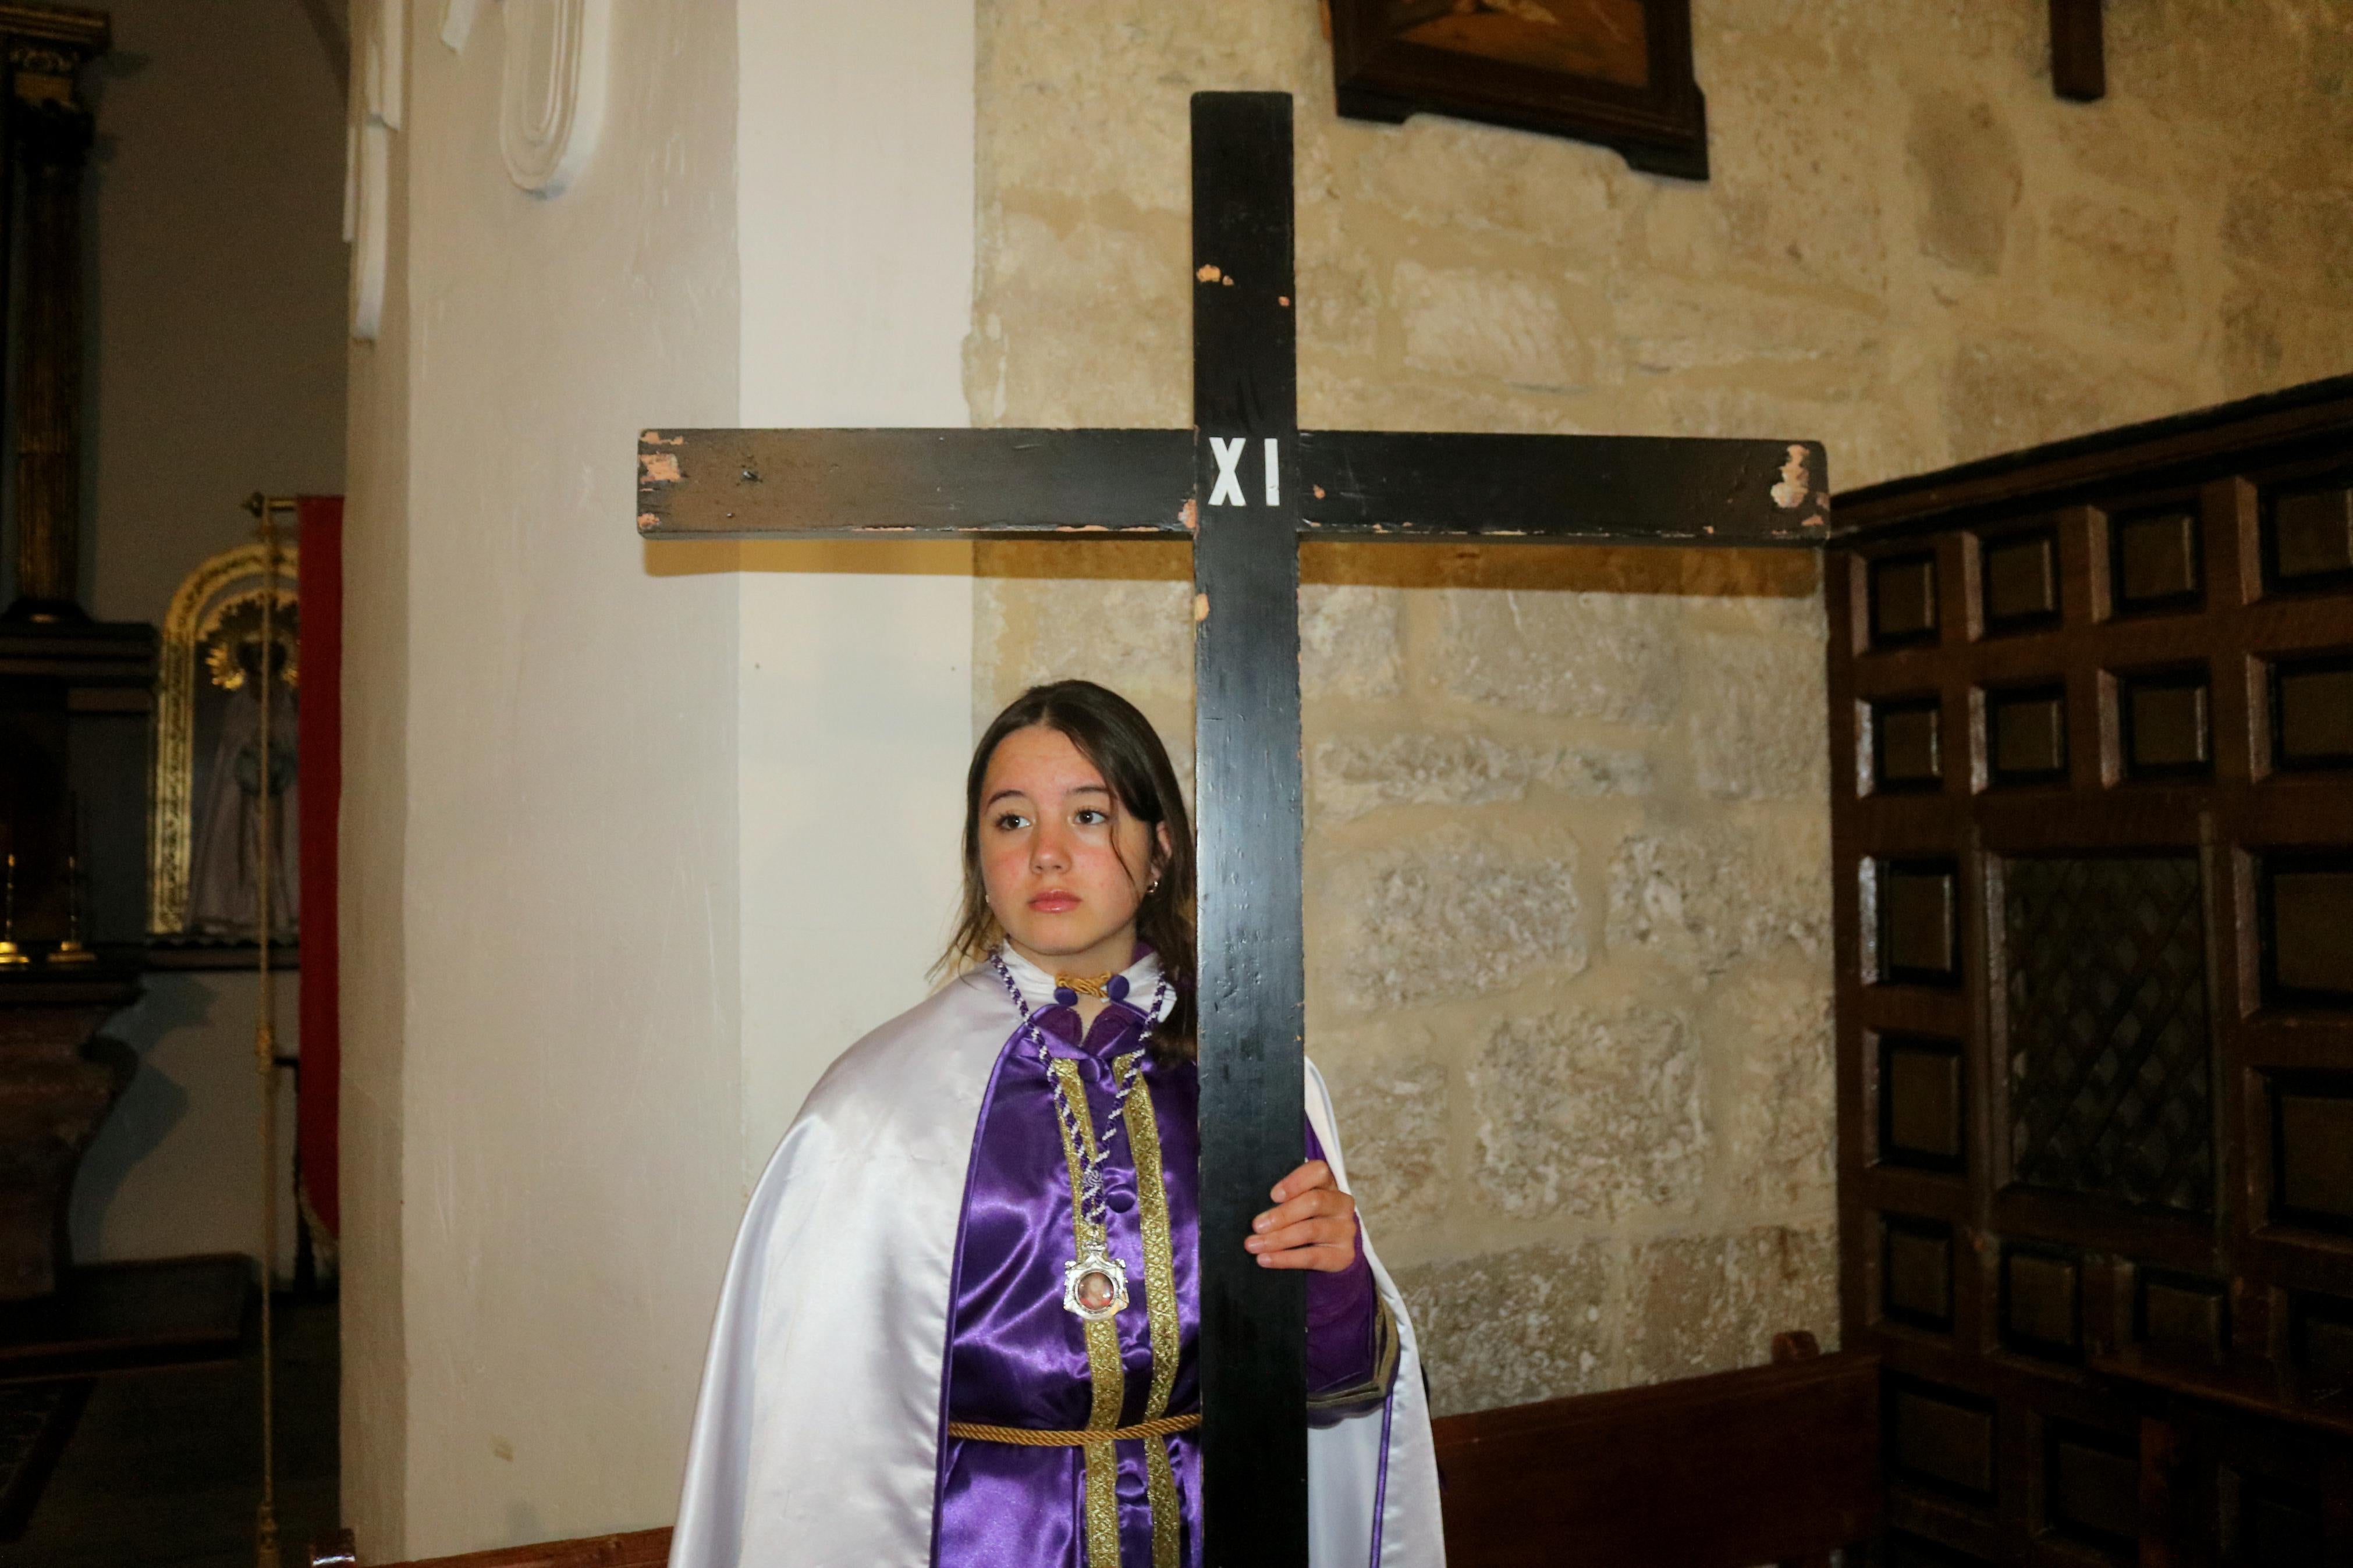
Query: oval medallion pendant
[(1094, 1285)]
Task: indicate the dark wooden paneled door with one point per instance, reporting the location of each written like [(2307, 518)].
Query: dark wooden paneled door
[(2092, 720)]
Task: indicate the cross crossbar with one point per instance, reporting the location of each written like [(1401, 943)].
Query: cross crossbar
[(1244, 486), (1001, 484)]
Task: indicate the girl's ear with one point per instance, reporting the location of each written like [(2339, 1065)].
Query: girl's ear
[(1166, 851)]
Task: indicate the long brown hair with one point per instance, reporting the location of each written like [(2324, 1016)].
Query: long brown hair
[(1120, 741)]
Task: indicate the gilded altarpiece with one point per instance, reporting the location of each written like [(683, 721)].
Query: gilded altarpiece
[(217, 670)]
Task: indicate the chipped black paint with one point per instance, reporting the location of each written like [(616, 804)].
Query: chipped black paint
[(1553, 489), (839, 484), (1246, 728), (1357, 484)]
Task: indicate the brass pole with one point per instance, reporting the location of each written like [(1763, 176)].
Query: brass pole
[(265, 1034)]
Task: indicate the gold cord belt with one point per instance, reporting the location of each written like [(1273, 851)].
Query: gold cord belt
[(1024, 1438)]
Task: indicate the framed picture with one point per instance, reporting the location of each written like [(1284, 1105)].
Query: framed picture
[(1618, 72)]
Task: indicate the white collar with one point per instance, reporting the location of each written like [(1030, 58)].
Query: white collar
[(1037, 986)]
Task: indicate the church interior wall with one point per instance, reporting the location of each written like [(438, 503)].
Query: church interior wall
[(215, 304), (532, 1180), (214, 317), (855, 236), (1568, 959), (177, 1167), (554, 866), (373, 882)]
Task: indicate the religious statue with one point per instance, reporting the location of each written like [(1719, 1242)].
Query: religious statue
[(212, 772)]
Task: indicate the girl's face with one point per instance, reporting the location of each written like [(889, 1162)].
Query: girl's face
[(1064, 864)]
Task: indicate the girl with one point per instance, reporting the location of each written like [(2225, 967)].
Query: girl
[(958, 1328)]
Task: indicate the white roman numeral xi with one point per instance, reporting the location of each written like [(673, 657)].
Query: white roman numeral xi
[(1227, 452)]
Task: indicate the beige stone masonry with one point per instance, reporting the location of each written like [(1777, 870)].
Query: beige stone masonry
[(1568, 955)]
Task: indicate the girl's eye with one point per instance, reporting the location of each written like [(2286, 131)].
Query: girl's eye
[(1091, 818), (1011, 821)]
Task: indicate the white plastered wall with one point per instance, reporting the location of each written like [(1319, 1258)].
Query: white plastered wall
[(644, 827), (563, 1037), (855, 224)]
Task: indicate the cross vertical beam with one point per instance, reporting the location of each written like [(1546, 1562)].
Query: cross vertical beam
[(1246, 784), (2079, 56)]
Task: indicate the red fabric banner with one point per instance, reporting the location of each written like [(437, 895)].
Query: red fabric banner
[(319, 741)]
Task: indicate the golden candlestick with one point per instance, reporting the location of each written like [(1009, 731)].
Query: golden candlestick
[(11, 954), (71, 951)]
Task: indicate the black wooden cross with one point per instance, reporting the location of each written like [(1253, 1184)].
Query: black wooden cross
[(2079, 50), (1244, 485)]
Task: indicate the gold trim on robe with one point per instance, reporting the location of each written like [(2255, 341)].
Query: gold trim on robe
[(1160, 1302), (1104, 1368)]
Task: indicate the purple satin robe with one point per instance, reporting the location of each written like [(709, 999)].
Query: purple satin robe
[(1016, 1358)]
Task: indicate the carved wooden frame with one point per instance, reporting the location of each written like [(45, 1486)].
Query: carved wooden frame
[(1659, 128)]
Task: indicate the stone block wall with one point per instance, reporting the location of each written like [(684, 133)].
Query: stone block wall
[(1567, 930), (1568, 965)]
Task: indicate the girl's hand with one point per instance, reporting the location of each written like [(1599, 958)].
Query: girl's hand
[(1312, 1226)]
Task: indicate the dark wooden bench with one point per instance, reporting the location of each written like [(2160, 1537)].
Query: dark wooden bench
[(1773, 1464), (638, 1549)]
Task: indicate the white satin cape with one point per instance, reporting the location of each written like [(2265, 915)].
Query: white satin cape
[(815, 1441)]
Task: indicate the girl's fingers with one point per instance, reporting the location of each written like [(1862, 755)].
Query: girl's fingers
[(1312, 1226), (1323, 1202), (1307, 1178), (1309, 1233), (1328, 1259)]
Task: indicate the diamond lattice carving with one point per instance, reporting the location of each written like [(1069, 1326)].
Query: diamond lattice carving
[(2110, 1076)]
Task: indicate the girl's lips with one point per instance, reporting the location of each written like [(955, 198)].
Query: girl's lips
[(1054, 903)]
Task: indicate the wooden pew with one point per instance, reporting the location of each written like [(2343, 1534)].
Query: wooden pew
[(1773, 1464), (638, 1549)]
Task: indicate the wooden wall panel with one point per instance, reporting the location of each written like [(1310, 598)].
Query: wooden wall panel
[(2185, 1317), (2021, 582), (2313, 1151), (2041, 1307), (2092, 1490), (2308, 537), (1922, 1109), (1918, 1273), (2091, 732), (1941, 1439), (2312, 712)]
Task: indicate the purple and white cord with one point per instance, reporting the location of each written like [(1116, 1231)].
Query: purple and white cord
[(1093, 1209)]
